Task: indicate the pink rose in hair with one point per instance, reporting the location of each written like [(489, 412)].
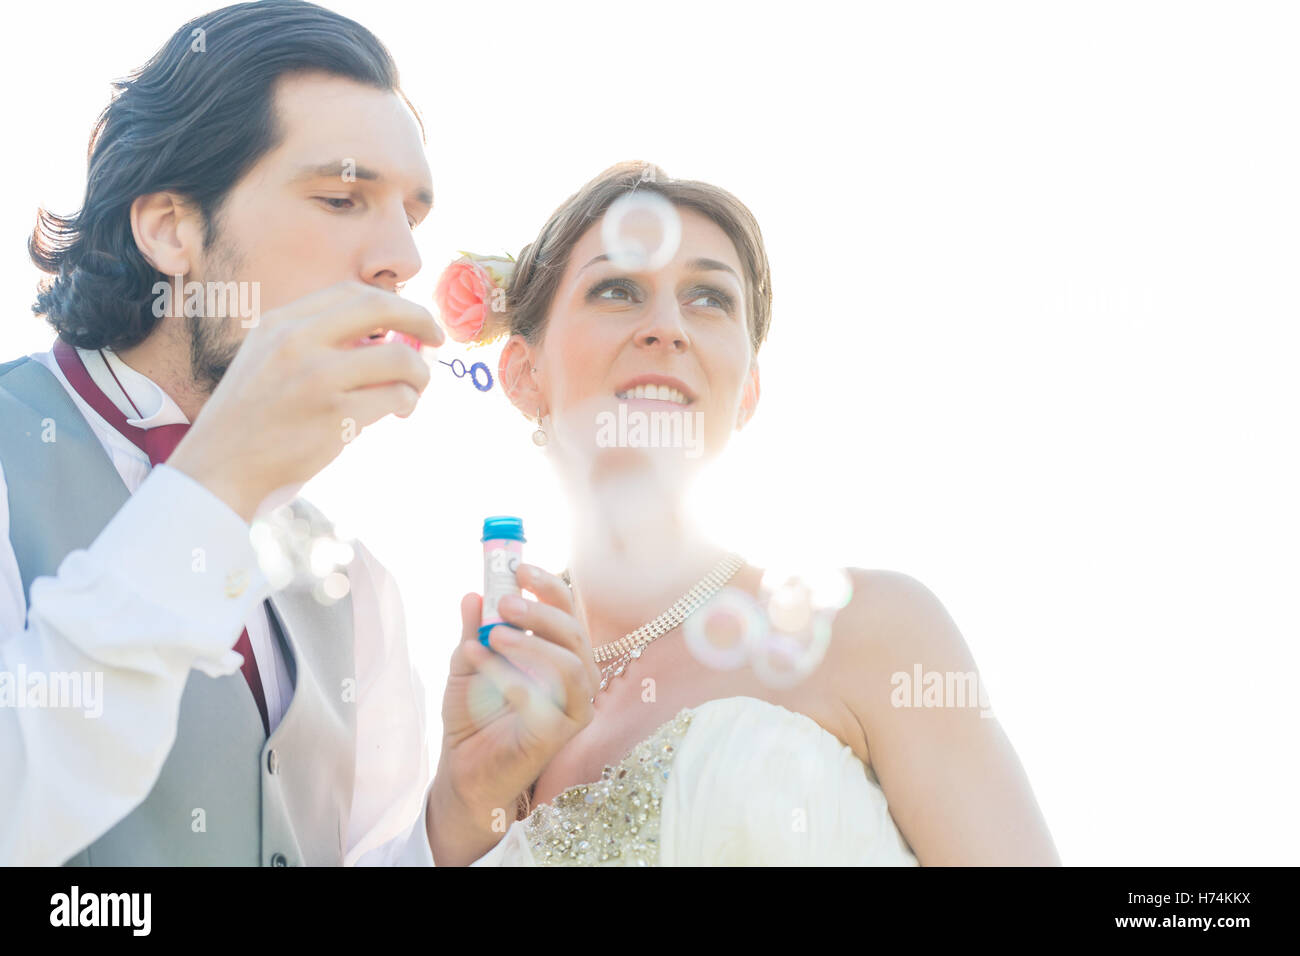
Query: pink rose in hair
[(470, 297)]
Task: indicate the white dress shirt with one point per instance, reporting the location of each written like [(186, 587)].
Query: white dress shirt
[(124, 608)]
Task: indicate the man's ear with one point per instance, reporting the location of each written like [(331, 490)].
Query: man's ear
[(520, 383), (749, 399), (167, 233)]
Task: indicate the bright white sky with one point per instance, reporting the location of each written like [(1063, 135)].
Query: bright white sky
[(1034, 339)]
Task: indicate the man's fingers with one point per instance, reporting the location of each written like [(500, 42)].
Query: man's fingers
[(311, 304), (365, 365), (371, 308), (365, 406)]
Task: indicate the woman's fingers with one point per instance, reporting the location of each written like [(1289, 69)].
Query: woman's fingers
[(555, 625), (471, 616), (555, 671), (549, 588), (530, 687)]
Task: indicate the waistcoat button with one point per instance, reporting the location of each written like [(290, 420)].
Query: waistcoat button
[(273, 761), (279, 860)]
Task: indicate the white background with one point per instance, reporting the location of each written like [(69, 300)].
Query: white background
[(1035, 324)]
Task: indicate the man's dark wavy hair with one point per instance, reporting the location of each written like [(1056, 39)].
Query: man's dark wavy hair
[(192, 120)]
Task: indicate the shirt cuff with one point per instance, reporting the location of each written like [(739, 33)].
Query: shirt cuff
[(178, 550)]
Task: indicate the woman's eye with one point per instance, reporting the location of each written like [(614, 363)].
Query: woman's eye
[(613, 290), (712, 299)]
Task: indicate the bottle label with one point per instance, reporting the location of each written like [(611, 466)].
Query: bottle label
[(501, 559)]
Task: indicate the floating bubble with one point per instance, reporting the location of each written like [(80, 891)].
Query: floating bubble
[(722, 633), (272, 557), (337, 585), (327, 553), (793, 597), (641, 231), (343, 553), (800, 606), (789, 605), (294, 545), (321, 557), (829, 588), (784, 658)]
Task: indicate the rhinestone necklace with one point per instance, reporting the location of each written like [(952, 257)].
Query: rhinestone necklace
[(615, 656)]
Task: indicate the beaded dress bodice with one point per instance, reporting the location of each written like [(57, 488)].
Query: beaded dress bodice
[(733, 781)]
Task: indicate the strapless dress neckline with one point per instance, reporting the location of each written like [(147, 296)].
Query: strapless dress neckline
[(617, 818)]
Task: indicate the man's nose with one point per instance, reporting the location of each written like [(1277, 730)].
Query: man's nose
[(392, 258)]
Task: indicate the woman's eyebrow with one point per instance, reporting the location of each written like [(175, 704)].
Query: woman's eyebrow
[(701, 265), (710, 265)]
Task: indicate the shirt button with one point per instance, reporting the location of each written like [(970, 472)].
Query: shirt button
[(273, 761), (236, 582), (279, 860)]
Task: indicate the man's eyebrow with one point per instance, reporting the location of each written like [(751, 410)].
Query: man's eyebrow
[(336, 168), (702, 265)]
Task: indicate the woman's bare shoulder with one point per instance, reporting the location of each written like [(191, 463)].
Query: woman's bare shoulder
[(892, 623)]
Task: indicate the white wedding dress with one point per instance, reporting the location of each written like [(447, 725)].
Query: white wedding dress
[(736, 781)]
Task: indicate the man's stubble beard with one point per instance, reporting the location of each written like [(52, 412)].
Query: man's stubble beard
[(213, 341)]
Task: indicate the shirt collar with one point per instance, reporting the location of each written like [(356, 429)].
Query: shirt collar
[(155, 406)]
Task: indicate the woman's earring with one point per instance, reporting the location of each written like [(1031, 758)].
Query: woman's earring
[(539, 436)]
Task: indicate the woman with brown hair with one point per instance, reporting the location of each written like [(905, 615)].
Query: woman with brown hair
[(645, 296)]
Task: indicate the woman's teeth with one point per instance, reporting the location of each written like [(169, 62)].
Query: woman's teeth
[(662, 393)]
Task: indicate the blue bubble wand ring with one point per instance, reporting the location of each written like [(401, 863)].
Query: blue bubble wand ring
[(472, 372)]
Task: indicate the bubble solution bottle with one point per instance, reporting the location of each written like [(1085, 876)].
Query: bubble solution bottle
[(503, 548)]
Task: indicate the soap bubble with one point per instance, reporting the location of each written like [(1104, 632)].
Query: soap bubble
[(722, 633), (800, 607), (641, 231), (296, 548), (784, 658), (333, 587)]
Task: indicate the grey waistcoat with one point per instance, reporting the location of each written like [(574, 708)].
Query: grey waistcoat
[(282, 801)]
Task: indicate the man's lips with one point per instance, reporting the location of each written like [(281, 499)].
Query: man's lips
[(378, 338)]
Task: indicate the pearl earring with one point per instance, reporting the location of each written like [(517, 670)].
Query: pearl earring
[(539, 436)]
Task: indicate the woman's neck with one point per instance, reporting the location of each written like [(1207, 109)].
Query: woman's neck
[(633, 555)]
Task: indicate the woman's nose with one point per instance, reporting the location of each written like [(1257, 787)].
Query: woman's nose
[(664, 327)]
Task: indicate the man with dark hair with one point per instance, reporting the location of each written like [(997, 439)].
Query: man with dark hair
[(246, 225)]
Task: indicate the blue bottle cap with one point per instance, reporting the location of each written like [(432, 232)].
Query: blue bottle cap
[(503, 526)]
